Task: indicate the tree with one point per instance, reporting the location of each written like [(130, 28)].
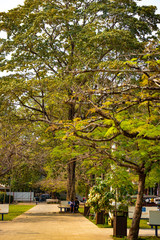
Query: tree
[(22, 155), (47, 41), (115, 187), (153, 181), (123, 120)]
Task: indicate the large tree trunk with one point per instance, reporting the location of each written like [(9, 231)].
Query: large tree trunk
[(134, 230), (87, 191), (71, 180), (71, 167)]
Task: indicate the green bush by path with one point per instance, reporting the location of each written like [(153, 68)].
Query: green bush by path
[(15, 211), (4, 198)]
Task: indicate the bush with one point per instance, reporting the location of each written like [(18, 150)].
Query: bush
[(3, 196), (123, 207), (100, 197)]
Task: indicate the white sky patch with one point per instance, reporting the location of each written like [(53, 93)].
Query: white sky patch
[(6, 5), (150, 2)]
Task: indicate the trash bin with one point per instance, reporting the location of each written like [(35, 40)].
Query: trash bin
[(86, 210), (120, 224), (100, 217)]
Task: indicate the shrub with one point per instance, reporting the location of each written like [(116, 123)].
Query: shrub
[(3, 196)]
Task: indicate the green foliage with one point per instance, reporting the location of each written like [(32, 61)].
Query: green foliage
[(100, 197), (153, 177), (121, 181), (4, 198), (23, 178), (87, 69)]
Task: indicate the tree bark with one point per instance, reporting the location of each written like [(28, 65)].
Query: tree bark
[(87, 192), (71, 167), (71, 180), (134, 230)]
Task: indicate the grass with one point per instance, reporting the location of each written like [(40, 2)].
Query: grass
[(140, 238), (15, 211), (143, 223), (81, 209), (149, 238)]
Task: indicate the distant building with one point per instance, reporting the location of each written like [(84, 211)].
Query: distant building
[(153, 190)]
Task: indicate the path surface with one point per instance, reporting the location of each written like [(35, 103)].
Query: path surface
[(44, 222)]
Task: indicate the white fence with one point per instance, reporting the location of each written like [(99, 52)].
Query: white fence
[(22, 196)]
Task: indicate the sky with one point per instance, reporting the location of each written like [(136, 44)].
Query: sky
[(6, 5)]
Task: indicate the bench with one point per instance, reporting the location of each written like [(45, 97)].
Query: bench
[(154, 220), (4, 209), (52, 201), (64, 205)]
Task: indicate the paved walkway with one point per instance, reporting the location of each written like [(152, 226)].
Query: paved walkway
[(44, 222)]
